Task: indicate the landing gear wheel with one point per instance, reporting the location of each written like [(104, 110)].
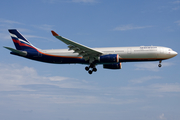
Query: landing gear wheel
[(90, 72), (94, 69), (86, 68), (91, 68), (159, 65)]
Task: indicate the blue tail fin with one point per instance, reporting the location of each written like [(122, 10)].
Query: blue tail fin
[(20, 42)]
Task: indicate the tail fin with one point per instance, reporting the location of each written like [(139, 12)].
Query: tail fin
[(20, 42)]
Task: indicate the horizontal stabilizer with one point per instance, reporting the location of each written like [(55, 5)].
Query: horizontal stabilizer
[(22, 53)]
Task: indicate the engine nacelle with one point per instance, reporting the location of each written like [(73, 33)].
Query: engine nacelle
[(112, 66), (110, 58)]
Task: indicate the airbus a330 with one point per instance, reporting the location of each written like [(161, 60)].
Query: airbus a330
[(110, 58)]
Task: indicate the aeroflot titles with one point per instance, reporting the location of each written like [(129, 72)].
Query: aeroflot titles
[(148, 47)]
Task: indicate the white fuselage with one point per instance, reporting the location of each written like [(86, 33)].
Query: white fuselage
[(128, 53)]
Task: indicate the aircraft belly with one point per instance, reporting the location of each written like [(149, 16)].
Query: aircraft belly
[(60, 60)]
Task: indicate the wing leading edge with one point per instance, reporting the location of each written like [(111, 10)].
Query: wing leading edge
[(87, 53)]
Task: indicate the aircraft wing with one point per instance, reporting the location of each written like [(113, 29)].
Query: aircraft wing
[(86, 52)]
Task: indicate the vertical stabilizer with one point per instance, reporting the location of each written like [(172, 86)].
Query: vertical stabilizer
[(20, 42)]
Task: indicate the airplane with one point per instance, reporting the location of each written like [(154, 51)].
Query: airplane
[(110, 58)]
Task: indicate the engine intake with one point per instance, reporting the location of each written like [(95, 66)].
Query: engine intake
[(112, 66)]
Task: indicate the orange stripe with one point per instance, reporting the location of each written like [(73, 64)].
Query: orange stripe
[(141, 58), (59, 56)]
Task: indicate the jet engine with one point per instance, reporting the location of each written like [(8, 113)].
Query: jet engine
[(110, 58), (112, 66)]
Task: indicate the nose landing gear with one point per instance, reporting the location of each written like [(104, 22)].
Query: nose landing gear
[(160, 64), (87, 68)]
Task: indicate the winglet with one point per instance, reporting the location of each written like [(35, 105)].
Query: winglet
[(54, 33)]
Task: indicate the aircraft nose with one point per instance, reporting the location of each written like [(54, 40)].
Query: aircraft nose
[(174, 53)]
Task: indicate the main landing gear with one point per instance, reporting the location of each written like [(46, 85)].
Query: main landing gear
[(160, 64), (92, 67)]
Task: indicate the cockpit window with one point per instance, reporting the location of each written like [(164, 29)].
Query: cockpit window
[(170, 49)]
